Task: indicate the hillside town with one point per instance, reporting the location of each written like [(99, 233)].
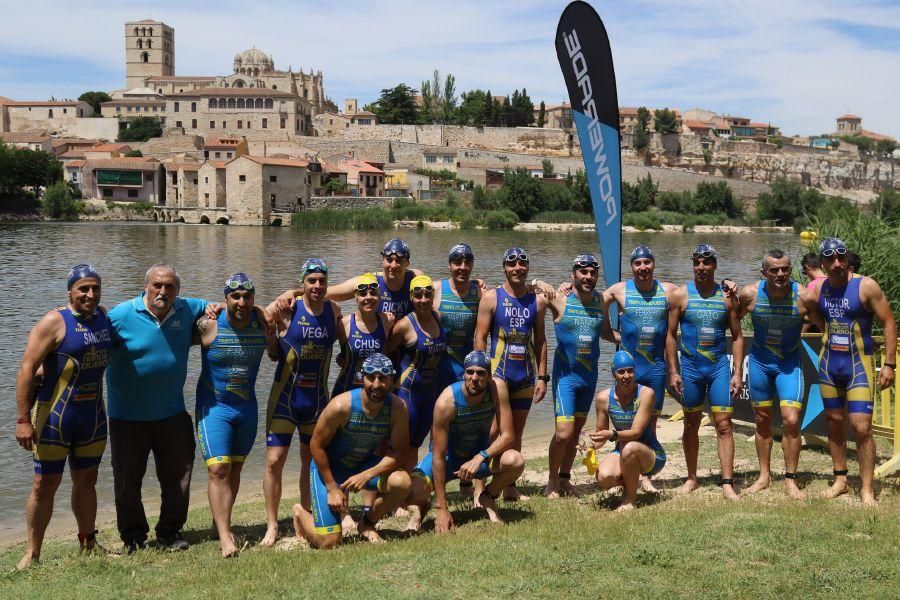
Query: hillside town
[(260, 143)]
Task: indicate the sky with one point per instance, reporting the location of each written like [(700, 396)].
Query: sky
[(797, 64)]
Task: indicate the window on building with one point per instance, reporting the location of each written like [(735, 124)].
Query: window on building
[(148, 177), (128, 109), (273, 179), (265, 123), (269, 103), (206, 196), (232, 103), (430, 158), (174, 107), (140, 43), (159, 90), (213, 103), (240, 103), (193, 123), (50, 113), (218, 155), (347, 125), (274, 87), (259, 103), (212, 124), (193, 107), (242, 178), (228, 155), (272, 199), (331, 121), (65, 110), (118, 109), (195, 181), (448, 160), (132, 193), (174, 178), (107, 192), (145, 57), (240, 124), (224, 125), (206, 179), (149, 43), (178, 124), (283, 123)]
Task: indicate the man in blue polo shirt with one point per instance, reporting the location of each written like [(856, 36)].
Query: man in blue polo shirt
[(145, 382)]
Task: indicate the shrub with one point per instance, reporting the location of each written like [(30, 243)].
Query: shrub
[(141, 130), (642, 220), (58, 203), (715, 198), (562, 216), (501, 219), (358, 219)]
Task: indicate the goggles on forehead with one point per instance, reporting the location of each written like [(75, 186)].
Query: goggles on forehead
[(829, 252), (363, 287), (580, 264), (418, 292), (234, 284), (703, 254), (370, 369), (459, 256), (515, 257)]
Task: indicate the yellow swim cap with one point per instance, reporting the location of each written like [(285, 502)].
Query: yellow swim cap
[(420, 281), (368, 278), (591, 461)]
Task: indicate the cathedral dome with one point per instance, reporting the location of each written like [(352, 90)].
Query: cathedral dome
[(254, 59)]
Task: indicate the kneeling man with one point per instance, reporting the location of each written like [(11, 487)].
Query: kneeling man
[(345, 447), (461, 446)]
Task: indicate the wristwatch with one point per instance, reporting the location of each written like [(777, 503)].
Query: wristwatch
[(614, 436), (544, 378), (485, 455)]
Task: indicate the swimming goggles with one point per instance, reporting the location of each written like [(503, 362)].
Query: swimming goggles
[(828, 252), (234, 284), (512, 258), (372, 369), (427, 291)]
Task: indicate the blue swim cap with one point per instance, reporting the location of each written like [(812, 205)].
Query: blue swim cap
[(622, 360), (378, 363), (461, 250), (313, 265), (642, 251), (396, 246), (477, 358), (704, 251), (515, 253), (81, 271), (830, 246), (238, 281)]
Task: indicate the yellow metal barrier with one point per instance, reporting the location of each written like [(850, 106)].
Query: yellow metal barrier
[(886, 417)]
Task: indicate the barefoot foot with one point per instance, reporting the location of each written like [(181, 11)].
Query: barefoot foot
[(567, 489), (838, 488), (728, 492), (27, 561), (272, 535), (551, 490), (229, 547), (512, 494), (417, 515), (348, 525), (868, 499), (793, 491), (490, 507), (467, 491), (625, 507), (647, 486), (367, 530), (688, 486), (759, 485)]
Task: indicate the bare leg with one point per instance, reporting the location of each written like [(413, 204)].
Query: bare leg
[(609, 472), (690, 442), (837, 445), (558, 445), (636, 458), (861, 424), (305, 527), (790, 446), (305, 462), (646, 482), (418, 502), (763, 439), (725, 448), (565, 484), (38, 511), (510, 493), (275, 459), (396, 490), (221, 501), (508, 468), (84, 502)]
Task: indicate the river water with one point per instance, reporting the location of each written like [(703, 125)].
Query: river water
[(37, 257)]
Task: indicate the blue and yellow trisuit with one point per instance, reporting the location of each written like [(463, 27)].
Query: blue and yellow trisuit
[(847, 361), (512, 347), (575, 359), (397, 303), (358, 346), (68, 415), (227, 411), (300, 390), (353, 449), (622, 418), (417, 385), (705, 370), (774, 364), (458, 320), (645, 323), (469, 433)]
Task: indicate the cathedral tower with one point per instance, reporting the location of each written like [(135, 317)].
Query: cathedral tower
[(149, 51)]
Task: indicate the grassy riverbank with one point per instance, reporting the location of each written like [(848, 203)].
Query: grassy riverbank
[(673, 546)]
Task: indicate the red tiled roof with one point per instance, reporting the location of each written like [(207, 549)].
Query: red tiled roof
[(74, 142), (875, 136), (136, 163), (279, 162), (176, 166), (75, 163), (72, 153), (360, 166), (694, 124), (24, 137), (109, 148), (218, 164), (849, 117)]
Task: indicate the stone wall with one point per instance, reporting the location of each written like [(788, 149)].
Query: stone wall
[(174, 145), (348, 202)]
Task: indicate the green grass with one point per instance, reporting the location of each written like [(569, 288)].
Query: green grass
[(562, 216), (697, 546)]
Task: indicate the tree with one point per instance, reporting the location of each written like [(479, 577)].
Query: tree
[(642, 133), (335, 186), (523, 194), (427, 110), (887, 205), (448, 98), (396, 105), (471, 109), (134, 152), (885, 147), (141, 129), (488, 109), (665, 121), (717, 198), (542, 115), (58, 203), (787, 202), (95, 99), (547, 166)]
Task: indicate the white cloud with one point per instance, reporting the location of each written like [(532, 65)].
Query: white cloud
[(790, 63)]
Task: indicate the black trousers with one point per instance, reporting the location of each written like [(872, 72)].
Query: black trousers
[(171, 441)]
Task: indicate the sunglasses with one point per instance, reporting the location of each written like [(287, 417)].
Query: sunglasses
[(829, 252), (587, 263), (237, 285), (373, 370), (427, 291), (703, 254)]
